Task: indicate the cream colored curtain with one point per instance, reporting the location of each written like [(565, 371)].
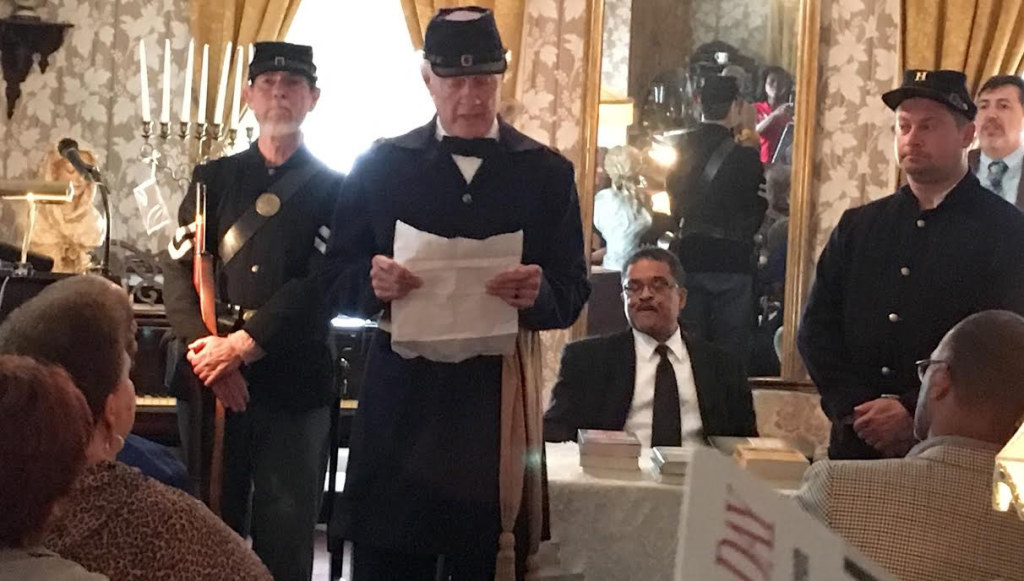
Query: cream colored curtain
[(242, 22), (979, 37), (783, 27), (507, 13)]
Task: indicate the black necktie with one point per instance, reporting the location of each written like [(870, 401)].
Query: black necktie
[(481, 147), (666, 429)]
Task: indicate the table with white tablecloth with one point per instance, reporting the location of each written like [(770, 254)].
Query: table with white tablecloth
[(608, 525)]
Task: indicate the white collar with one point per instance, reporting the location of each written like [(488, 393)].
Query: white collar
[(440, 131), (1014, 159), (645, 345)]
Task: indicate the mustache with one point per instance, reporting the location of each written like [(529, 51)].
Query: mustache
[(992, 123)]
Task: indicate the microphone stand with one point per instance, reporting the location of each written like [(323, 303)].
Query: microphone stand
[(105, 195)]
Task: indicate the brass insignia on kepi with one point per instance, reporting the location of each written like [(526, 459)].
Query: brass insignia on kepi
[(268, 204)]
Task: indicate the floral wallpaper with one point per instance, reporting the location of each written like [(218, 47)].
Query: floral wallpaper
[(853, 159), (741, 23), (615, 50), (90, 93)]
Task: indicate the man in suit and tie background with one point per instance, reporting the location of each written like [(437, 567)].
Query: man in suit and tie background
[(898, 511), (653, 380), (997, 162)]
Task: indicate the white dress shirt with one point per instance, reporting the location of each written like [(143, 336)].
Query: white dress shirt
[(641, 411), (467, 164), (1011, 179)]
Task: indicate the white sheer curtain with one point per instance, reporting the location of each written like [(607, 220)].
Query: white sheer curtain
[(368, 74)]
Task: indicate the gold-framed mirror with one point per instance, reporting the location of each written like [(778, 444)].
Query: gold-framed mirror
[(652, 88)]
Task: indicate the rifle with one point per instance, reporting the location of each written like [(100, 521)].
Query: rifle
[(203, 281)]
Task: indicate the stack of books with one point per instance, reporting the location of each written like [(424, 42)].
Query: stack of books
[(772, 459), (609, 450), (671, 460)]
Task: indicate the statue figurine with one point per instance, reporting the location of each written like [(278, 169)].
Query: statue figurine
[(66, 232)]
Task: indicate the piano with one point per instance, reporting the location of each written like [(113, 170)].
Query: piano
[(156, 411)]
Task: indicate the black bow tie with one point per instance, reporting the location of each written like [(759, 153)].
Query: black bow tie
[(481, 147)]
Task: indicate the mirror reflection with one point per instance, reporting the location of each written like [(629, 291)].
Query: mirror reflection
[(695, 143)]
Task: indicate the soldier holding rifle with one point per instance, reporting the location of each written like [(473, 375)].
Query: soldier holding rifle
[(266, 213)]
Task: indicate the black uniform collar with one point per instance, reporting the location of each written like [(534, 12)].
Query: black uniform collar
[(961, 194), (297, 159), (426, 136)]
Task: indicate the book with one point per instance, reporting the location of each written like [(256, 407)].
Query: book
[(608, 443), (609, 462), (771, 462), (671, 460), (727, 444)]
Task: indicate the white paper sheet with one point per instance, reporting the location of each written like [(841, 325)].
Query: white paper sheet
[(451, 317)]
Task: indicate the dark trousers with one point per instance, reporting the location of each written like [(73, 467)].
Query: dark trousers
[(274, 466), (376, 564), (720, 309)]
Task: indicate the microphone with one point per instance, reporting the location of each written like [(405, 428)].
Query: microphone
[(68, 149)]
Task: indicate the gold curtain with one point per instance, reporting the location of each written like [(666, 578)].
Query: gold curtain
[(782, 34), (242, 22), (979, 37), (507, 13)]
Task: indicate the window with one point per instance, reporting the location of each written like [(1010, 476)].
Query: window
[(368, 74)]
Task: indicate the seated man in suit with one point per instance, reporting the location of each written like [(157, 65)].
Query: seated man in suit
[(929, 516), (653, 380)]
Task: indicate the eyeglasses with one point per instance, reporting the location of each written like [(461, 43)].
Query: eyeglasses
[(635, 288), (924, 364)]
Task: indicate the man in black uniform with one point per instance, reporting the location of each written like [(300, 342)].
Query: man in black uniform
[(423, 471), (267, 214), (716, 198), (898, 273)]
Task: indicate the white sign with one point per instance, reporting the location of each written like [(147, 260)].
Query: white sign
[(736, 528)]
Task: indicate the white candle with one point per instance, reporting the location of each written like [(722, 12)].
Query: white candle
[(186, 98), (165, 102), (144, 81), (222, 87), (203, 78), (236, 99)]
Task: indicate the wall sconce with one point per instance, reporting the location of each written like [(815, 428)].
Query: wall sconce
[(1008, 477), (614, 116), (22, 37)]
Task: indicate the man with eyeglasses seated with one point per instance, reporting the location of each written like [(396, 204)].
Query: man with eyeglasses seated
[(929, 516), (653, 380)]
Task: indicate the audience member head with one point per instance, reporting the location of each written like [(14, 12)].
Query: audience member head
[(1000, 115), (654, 288), (719, 100), (282, 87), (46, 428), (777, 183), (85, 325), (934, 125), (463, 65), (973, 385), (737, 72), (776, 85)]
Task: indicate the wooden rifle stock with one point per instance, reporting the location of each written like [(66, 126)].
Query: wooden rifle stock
[(203, 280)]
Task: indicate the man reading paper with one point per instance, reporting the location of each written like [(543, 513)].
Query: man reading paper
[(439, 450)]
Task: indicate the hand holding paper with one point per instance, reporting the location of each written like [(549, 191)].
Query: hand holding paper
[(391, 281), (454, 298), (518, 286)]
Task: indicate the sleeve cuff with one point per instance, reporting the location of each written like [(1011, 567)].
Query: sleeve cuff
[(247, 347)]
